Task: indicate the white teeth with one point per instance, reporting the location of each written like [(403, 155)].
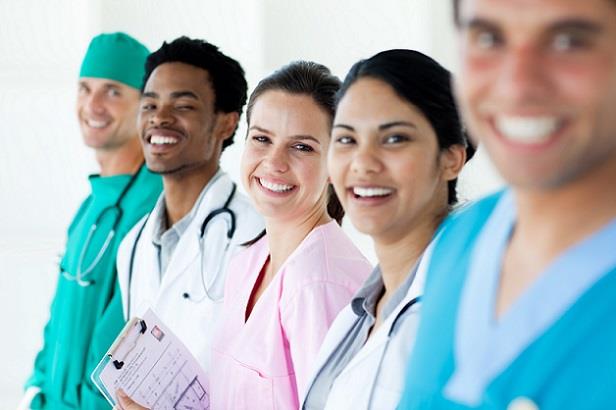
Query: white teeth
[(97, 124), (275, 187), (527, 129), (371, 191), (160, 139)]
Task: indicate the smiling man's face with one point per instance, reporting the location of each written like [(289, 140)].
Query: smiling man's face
[(107, 112), (538, 86), (179, 128)]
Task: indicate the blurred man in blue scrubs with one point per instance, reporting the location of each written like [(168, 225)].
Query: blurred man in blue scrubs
[(86, 312), (519, 303)]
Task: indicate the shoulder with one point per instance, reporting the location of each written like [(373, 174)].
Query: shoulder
[(327, 255), (456, 238)]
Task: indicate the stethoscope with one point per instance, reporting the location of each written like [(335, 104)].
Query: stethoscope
[(82, 274), (390, 333), (213, 214)]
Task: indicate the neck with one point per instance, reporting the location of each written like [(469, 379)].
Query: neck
[(121, 160), (550, 221), (285, 236), (181, 191), (397, 256)]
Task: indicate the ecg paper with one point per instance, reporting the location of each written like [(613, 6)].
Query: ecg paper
[(153, 367)]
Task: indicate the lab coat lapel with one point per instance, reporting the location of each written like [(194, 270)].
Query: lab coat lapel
[(187, 253), (379, 339)]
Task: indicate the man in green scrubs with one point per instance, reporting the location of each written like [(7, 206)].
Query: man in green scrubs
[(86, 312)]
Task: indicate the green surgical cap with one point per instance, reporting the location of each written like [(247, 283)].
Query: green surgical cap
[(116, 56)]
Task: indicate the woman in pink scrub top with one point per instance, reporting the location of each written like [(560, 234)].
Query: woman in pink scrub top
[(284, 290)]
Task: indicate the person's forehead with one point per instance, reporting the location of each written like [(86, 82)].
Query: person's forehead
[(101, 82), (532, 12), (179, 76)]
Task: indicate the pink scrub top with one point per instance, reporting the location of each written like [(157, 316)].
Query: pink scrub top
[(265, 362)]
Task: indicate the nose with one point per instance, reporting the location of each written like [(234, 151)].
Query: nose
[(95, 102), (160, 116), (366, 161), (277, 159), (523, 78)]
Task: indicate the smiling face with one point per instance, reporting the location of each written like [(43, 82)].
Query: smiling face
[(180, 132), (538, 86), (284, 164), (107, 112), (385, 162)]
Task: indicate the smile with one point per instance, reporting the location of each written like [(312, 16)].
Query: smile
[(527, 130), (97, 124), (371, 192), (162, 140), (274, 187)]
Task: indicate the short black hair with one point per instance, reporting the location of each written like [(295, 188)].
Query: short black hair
[(226, 74), (426, 84)]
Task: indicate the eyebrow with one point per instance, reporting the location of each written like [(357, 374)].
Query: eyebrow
[(576, 24), (565, 24), (382, 127), (174, 95), (392, 124), (294, 137), (479, 23)]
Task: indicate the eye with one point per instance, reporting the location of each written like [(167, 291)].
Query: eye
[(568, 41), (82, 89), (486, 39), (303, 147), (395, 139), (345, 140), (113, 92), (148, 106), (184, 108), (261, 139)]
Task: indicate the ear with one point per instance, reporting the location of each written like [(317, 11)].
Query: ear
[(226, 124), (452, 160)]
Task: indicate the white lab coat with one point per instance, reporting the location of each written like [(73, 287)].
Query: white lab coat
[(191, 320), (354, 385)]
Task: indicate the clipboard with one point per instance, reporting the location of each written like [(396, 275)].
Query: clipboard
[(117, 353), (153, 367)]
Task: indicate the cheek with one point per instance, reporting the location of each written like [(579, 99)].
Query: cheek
[(583, 85)]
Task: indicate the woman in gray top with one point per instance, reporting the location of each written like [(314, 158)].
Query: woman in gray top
[(397, 149)]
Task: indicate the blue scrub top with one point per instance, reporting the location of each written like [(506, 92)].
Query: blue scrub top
[(552, 346)]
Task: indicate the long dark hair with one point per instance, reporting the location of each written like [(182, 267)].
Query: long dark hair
[(424, 83)]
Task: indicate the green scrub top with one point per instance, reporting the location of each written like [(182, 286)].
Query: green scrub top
[(84, 321)]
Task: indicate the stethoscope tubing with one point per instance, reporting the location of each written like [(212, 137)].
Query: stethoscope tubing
[(82, 274), (225, 209)]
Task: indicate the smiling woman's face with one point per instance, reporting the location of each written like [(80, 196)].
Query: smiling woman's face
[(284, 164), (385, 163)]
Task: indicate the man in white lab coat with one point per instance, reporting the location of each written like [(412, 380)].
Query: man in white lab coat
[(174, 260)]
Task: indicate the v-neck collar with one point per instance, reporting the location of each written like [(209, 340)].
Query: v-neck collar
[(485, 347)]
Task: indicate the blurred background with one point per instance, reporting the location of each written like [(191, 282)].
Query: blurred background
[(44, 166)]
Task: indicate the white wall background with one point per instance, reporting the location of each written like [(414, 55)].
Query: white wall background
[(43, 165)]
